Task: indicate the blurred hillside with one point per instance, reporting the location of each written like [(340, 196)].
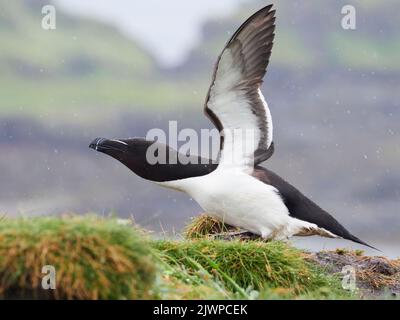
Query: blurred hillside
[(81, 64), (86, 64), (334, 96), (310, 38)]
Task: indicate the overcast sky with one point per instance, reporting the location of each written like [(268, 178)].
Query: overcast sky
[(167, 28)]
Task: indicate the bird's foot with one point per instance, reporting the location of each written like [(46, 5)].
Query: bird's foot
[(236, 235)]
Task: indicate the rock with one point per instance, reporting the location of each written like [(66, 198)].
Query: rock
[(376, 277)]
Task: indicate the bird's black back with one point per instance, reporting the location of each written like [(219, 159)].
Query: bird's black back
[(301, 207)]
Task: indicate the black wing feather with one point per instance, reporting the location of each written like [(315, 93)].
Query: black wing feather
[(302, 208)]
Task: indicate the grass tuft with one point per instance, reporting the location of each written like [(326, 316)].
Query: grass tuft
[(241, 268), (204, 226), (97, 258), (94, 258)]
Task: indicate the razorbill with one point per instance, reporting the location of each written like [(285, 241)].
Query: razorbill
[(241, 193)]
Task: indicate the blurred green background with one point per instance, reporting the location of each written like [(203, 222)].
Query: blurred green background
[(334, 96)]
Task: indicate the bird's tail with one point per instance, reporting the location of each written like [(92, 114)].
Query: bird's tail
[(357, 240)]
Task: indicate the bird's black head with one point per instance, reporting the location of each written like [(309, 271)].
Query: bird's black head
[(152, 160), (130, 152)]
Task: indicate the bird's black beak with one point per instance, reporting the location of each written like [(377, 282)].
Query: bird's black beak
[(108, 145)]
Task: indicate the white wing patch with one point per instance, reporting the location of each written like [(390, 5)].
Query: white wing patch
[(234, 102), (270, 126), (242, 132)]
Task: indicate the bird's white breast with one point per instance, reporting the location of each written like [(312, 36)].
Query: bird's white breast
[(238, 199)]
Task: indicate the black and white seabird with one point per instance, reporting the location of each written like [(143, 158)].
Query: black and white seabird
[(240, 193)]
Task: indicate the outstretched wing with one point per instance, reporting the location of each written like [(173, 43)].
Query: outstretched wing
[(234, 101)]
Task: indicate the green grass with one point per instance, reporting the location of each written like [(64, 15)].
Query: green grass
[(93, 258), (248, 270), (97, 258)]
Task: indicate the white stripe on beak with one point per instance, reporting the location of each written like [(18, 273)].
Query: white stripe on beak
[(119, 141)]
